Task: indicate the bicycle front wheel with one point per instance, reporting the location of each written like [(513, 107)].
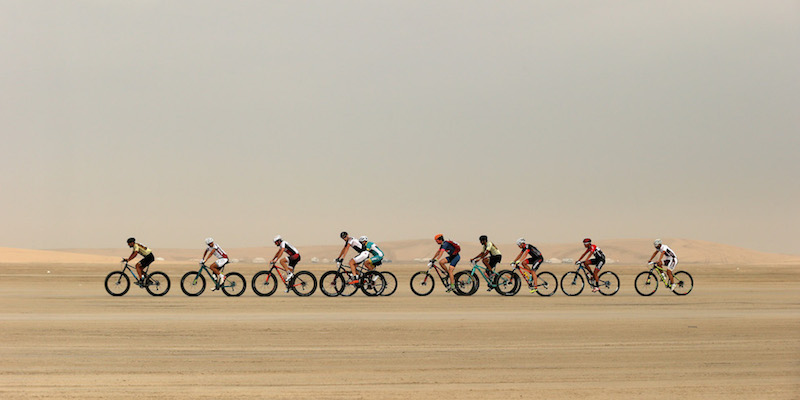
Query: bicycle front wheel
[(234, 284), (547, 284), (157, 283), (646, 283), (684, 283), (304, 284), (373, 283), (422, 283), (391, 283), (331, 283), (117, 283), (192, 283), (505, 282), (572, 283), (264, 283), (466, 283)]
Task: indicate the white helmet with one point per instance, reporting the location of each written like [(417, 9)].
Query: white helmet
[(209, 240), (520, 241), (657, 243), (363, 239), (277, 238)]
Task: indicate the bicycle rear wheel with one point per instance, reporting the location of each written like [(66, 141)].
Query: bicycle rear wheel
[(547, 284), (331, 283), (685, 283), (264, 283), (466, 283), (505, 282), (157, 283), (609, 283), (422, 283), (391, 283), (304, 284), (572, 283), (234, 284), (373, 283), (117, 283), (646, 283), (192, 283), (350, 285)]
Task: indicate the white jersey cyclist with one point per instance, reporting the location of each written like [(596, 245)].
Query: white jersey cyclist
[(288, 248), (363, 253), (670, 259), (222, 256)]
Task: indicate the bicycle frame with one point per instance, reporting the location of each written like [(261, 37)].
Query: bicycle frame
[(443, 275), (131, 270), (662, 274), (482, 270), (208, 271)]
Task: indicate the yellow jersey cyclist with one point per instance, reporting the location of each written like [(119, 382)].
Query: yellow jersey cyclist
[(448, 263), (490, 255), (531, 258), (216, 267), (669, 258), (147, 258)]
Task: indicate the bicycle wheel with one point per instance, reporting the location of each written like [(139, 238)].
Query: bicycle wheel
[(572, 283), (505, 282), (685, 283), (331, 283), (466, 283), (422, 283), (117, 283), (192, 283), (304, 284), (157, 283), (264, 283), (646, 283), (373, 283), (609, 283), (547, 284), (234, 284), (350, 285), (391, 283)]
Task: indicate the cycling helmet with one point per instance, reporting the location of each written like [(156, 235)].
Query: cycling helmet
[(587, 240), (520, 241), (657, 243), (277, 238), (363, 239), (343, 235), (131, 240), (439, 236), (483, 238), (209, 240)]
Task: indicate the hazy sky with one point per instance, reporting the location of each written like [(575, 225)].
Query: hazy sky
[(554, 120)]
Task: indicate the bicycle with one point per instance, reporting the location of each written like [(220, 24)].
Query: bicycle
[(303, 283), (339, 282), (468, 281), (194, 283), (117, 283), (646, 282), (547, 283), (422, 282), (572, 283)]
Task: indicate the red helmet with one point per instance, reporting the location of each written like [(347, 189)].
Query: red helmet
[(439, 236), (587, 240)]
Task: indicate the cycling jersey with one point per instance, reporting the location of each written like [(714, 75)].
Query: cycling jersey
[(291, 250), (493, 250), (596, 252), (374, 250), (355, 244), (668, 253), (141, 249), (217, 251), (533, 252), (450, 247)]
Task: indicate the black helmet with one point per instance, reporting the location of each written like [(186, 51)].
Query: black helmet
[(343, 235), (131, 240), (483, 238)]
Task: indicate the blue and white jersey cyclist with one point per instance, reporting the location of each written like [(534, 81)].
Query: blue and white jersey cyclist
[(222, 259), (361, 256), (666, 256), (448, 263), (292, 255)]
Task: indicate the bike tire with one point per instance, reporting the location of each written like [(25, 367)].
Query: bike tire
[(304, 284), (422, 283), (193, 284), (505, 282), (349, 289), (331, 283), (646, 283), (391, 283), (264, 283), (609, 283), (466, 283), (157, 284), (373, 283), (117, 283), (234, 285), (547, 284), (685, 283), (572, 283)]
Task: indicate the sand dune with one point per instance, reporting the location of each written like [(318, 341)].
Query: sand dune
[(27, 256)]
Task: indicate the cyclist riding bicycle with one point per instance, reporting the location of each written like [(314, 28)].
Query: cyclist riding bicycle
[(375, 252), (222, 259), (490, 255), (599, 260), (531, 258), (362, 255), (671, 260), (448, 263), (292, 255), (147, 257)]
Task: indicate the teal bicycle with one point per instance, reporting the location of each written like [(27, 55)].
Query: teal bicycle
[(468, 281), (194, 283)]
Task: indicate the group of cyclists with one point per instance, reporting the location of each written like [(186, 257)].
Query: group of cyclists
[(371, 255)]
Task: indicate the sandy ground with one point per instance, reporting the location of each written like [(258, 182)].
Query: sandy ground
[(737, 335)]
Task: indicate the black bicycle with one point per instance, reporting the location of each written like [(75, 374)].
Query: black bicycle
[(340, 282), (572, 282), (118, 283)]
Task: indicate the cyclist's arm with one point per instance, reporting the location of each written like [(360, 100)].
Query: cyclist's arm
[(660, 256), (277, 255), (204, 259), (479, 256), (653, 256), (584, 254), (344, 250), (518, 256), (132, 256), (436, 256)]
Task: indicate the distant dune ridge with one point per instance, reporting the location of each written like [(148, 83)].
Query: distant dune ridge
[(626, 251)]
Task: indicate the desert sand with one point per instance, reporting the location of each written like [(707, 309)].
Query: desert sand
[(737, 335)]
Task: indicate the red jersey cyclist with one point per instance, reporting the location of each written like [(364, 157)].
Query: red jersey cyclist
[(448, 263), (292, 256), (671, 260), (594, 256), (531, 258), (216, 267)]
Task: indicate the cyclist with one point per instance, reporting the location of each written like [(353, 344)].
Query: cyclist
[(599, 260), (490, 255), (374, 251), (449, 263), (532, 263), (216, 267), (362, 255), (147, 258), (671, 260), (292, 255)]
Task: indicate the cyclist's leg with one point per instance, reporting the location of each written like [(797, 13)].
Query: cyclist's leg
[(487, 262), (292, 262), (671, 267), (285, 264), (599, 264), (534, 265), (358, 260), (221, 262)]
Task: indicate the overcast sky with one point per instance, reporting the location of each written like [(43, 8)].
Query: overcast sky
[(554, 120)]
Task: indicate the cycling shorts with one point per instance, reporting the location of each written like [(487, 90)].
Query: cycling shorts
[(147, 260), (494, 260), (599, 262), (454, 260), (671, 263), (376, 260), (534, 263), (294, 259), (221, 262), (361, 257)]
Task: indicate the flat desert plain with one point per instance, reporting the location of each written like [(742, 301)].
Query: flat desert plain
[(737, 335)]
